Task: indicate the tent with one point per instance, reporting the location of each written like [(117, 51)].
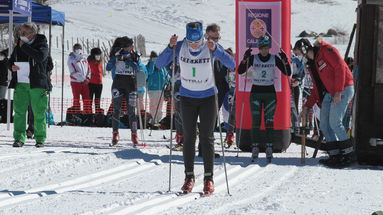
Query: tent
[(41, 15), (11, 9)]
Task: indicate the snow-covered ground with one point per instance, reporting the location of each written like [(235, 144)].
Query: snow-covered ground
[(78, 173)]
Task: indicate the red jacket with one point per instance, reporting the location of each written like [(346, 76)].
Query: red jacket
[(96, 72), (333, 72)]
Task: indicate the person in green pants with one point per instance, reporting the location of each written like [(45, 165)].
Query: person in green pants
[(28, 64), (263, 92)]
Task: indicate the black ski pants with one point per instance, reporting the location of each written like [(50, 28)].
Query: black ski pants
[(95, 93), (205, 109)]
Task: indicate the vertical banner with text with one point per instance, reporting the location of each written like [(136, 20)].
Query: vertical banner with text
[(254, 19)]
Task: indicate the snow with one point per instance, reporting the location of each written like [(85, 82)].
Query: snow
[(78, 173)]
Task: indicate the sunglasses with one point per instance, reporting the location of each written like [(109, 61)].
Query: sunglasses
[(194, 42), (214, 38), (194, 25)]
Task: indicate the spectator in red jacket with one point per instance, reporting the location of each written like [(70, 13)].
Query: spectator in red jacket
[(95, 83), (333, 90)]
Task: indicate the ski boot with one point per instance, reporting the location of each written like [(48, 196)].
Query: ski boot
[(229, 139), (188, 185), (18, 144), (179, 141), (39, 145), (134, 139), (269, 152), (208, 187), (115, 139), (254, 152)]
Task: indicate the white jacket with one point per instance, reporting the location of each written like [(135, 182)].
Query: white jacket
[(78, 68)]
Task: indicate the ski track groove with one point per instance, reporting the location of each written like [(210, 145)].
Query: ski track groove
[(162, 202), (254, 198), (32, 154), (91, 180), (37, 160)]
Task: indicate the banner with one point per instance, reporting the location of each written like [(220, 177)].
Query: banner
[(254, 19), (23, 7)]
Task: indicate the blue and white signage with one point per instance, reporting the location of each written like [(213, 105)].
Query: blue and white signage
[(22, 6)]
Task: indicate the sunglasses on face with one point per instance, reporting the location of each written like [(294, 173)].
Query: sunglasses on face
[(194, 42), (194, 24), (215, 38)]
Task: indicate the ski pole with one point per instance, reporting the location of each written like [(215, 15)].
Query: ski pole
[(320, 139), (146, 104), (303, 139), (158, 105), (171, 119), (219, 125), (242, 107), (141, 124), (231, 125)]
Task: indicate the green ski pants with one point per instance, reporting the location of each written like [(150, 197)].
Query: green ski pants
[(268, 101), (23, 95)]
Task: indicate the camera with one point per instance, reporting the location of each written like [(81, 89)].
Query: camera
[(133, 56), (123, 57)]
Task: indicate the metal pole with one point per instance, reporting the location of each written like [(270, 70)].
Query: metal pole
[(242, 107), (219, 124), (10, 49), (49, 96), (171, 119), (62, 79)]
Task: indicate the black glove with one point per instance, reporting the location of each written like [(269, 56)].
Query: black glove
[(283, 56), (247, 54), (135, 56)]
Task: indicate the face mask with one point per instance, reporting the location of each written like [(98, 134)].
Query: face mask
[(97, 57), (2, 57), (24, 39), (78, 51)]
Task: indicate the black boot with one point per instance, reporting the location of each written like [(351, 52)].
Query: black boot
[(331, 161), (348, 156), (332, 149)]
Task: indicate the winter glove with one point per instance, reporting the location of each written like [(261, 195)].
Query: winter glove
[(135, 56), (283, 56), (247, 54)]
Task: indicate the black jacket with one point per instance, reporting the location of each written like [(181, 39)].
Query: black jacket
[(220, 73), (37, 56), (4, 72)]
